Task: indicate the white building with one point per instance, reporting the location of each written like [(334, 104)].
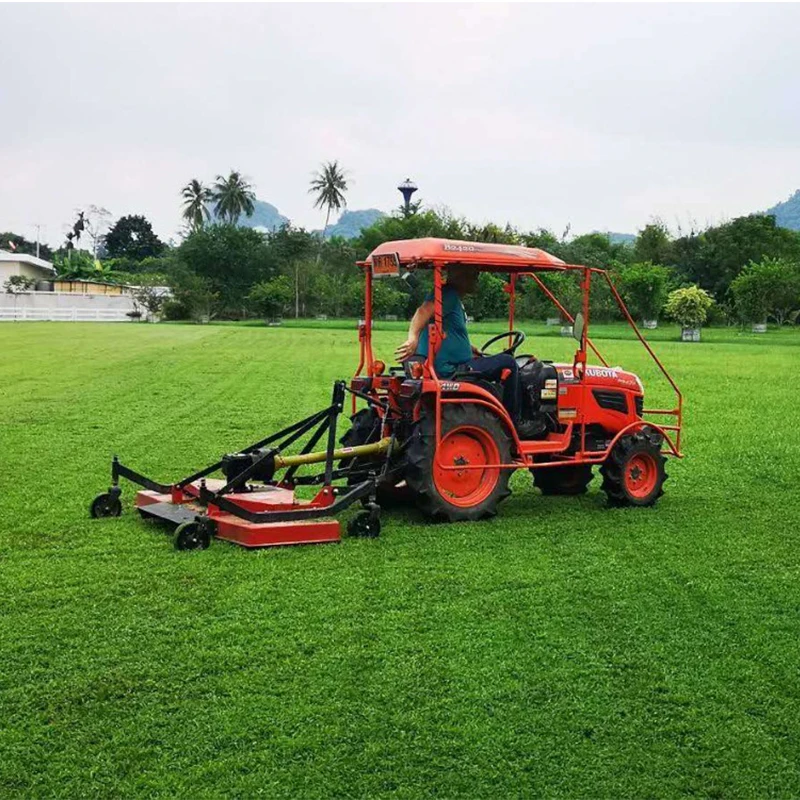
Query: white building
[(25, 265), (57, 300)]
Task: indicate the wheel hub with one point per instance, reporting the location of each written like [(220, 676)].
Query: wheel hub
[(461, 468), (641, 475)]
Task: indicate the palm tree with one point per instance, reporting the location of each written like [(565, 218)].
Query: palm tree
[(196, 198), (329, 184), (233, 196)]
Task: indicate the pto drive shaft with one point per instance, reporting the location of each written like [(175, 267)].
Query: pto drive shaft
[(343, 452)]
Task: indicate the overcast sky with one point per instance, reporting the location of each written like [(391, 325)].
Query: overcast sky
[(597, 116)]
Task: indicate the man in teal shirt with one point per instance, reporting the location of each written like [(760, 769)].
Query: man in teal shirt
[(456, 351)]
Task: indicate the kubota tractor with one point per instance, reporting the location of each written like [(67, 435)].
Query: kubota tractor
[(446, 446)]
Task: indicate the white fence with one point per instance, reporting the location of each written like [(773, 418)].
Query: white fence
[(64, 307), (21, 313)]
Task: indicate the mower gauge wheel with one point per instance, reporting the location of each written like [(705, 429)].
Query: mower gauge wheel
[(365, 525), (191, 536), (105, 505)]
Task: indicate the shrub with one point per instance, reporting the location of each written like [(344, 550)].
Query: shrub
[(643, 286), (689, 306), (192, 297), (490, 300), (150, 294), (769, 288), (19, 283), (385, 298), (272, 298)]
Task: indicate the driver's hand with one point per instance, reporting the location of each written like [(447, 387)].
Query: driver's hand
[(408, 348), (476, 353)]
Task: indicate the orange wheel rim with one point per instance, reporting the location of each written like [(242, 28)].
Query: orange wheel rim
[(473, 449), (641, 474)]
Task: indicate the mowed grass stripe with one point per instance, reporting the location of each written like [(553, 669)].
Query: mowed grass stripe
[(560, 649)]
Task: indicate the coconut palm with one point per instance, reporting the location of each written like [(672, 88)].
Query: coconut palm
[(196, 198), (329, 185), (233, 196)]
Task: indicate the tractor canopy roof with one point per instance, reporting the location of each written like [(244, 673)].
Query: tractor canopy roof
[(430, 252)]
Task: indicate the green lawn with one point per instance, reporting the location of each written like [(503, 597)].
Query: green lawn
[(561, 649)]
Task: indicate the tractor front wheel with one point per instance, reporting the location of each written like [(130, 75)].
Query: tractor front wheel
[(463, 481), (634, 474)]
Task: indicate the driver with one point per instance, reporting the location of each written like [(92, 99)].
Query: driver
[(456, 351)]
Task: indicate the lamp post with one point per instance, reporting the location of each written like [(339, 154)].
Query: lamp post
[(407, 188)]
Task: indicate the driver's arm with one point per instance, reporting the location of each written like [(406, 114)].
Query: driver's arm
[(420, 319)]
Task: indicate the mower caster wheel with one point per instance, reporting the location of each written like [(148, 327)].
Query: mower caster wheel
[(365, 525), (192, 536), (105, 505)]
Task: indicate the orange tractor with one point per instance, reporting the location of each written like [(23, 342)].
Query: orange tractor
[(447, 446)]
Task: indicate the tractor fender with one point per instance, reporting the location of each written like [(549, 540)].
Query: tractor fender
[(468, 392), (641, 424)]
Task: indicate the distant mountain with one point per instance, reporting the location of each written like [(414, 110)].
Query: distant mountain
[(351, 223), (787, 213), (619, 238), (265, 217)]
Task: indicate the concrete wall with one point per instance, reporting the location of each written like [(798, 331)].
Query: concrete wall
[(63, 306)]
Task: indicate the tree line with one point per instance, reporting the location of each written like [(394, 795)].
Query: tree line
[(748, 268)]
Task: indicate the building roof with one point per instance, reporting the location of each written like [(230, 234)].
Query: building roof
[(485, 255), (24, 258)]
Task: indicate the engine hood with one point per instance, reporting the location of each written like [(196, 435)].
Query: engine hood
[(601, 376)]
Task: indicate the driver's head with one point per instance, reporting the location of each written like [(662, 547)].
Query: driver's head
[(463, 278)]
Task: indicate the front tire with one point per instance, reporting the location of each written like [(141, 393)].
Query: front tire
[(472, 436), (634, 474)]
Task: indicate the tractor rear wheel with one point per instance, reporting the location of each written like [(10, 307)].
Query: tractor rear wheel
[(366, 429), (567, 480), (472, 437), (633, 474)]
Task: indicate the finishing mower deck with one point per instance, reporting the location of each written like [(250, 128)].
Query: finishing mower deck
[(158, 506), (249, 506)]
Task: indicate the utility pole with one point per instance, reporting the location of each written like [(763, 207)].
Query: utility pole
[(38, 229)]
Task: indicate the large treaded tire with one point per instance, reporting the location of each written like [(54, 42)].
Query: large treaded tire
[(479, 430), (634, 474), (366, 429), (567, 480)]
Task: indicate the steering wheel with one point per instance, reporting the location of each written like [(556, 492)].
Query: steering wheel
[(517, 337)]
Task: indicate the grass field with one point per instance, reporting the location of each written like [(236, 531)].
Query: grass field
[(561, 649)]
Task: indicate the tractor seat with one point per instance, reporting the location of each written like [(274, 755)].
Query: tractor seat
[(469, 376)]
